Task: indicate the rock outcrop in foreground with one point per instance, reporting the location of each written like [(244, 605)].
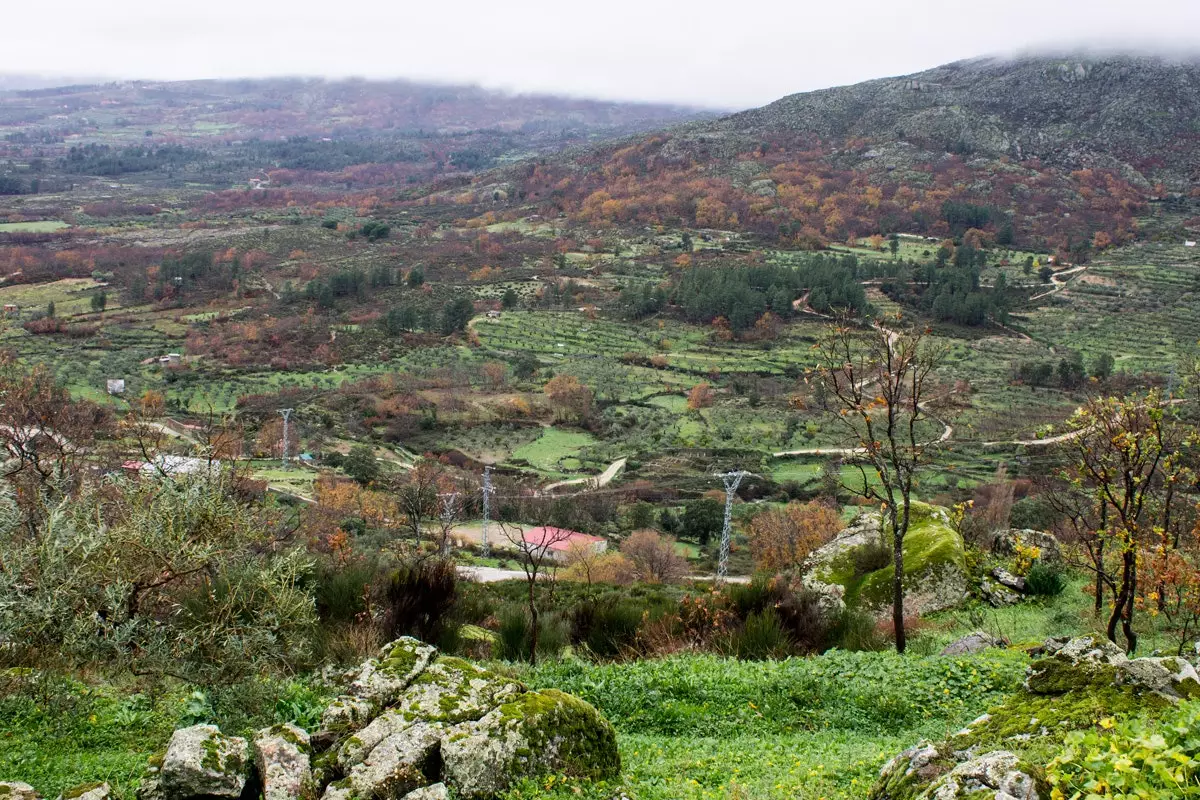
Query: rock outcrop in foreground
[(1077, 683), (413, 726)]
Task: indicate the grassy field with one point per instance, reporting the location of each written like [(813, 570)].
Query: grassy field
[(43, 226), (555, 452)]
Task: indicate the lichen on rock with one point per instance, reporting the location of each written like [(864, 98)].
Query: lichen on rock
[(381, 680), (535, 733), (281, 756), (203, 762)]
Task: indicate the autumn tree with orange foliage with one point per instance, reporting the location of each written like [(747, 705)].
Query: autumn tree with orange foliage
[(701, 396), (572, 400), (781, 539)]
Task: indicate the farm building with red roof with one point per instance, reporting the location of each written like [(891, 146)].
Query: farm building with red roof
[(559, 541)]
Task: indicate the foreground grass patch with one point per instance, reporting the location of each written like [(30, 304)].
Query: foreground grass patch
[(709, 727)]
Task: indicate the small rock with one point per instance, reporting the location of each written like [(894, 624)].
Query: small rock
[(343, 716), (87, 791), (975, 642), (1000, 775), (281, 754), (15, 790), (203, 762), (1006, 578), (997, 595), (1004, 544), (435, 792), (452, 691)]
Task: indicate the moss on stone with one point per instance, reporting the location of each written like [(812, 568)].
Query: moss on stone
[(1059, 676), (288, 734), (81, 789), (585, 742), (930, 546)]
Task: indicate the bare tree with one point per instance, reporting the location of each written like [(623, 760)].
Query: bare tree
[(880, 381), (537, 551), (654, 557), (417, 496)]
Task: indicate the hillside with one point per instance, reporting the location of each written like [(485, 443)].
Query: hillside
[(1135, 115), (1044, 152), (224, 132)]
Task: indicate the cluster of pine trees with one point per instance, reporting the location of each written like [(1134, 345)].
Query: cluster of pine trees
[(742, 295)]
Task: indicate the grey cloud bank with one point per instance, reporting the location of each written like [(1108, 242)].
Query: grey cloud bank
[(708, 53)]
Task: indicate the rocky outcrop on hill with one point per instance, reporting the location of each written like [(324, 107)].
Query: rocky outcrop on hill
[(1078, 682), (412, 726), (1070, 111)]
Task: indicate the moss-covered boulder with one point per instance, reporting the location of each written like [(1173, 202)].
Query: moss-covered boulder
[(935, 565), (1094, 662), (281, 756), (534, 733), (1082, 683), (202, 762), (922, 773)]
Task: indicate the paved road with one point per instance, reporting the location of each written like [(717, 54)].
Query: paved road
[(493, 574)]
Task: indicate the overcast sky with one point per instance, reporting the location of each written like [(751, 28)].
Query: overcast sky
[(721, 53)]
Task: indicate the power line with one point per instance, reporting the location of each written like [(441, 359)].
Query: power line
[(731, 481), (449, 512), (287, 413), (487, 509)]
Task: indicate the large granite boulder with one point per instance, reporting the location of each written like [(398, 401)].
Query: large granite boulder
[(1004, 544), (202, 762), (534, 733), (406, 760), (935, 571)]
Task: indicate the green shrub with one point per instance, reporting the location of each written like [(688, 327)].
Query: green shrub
[(870, 557), (746, 599), (512, 634), (1137, 759), (855, 630), (1045, 580), (762, 637), (420, 596), (1031, 513), (607, 627), (340, 591), (512, 642)]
